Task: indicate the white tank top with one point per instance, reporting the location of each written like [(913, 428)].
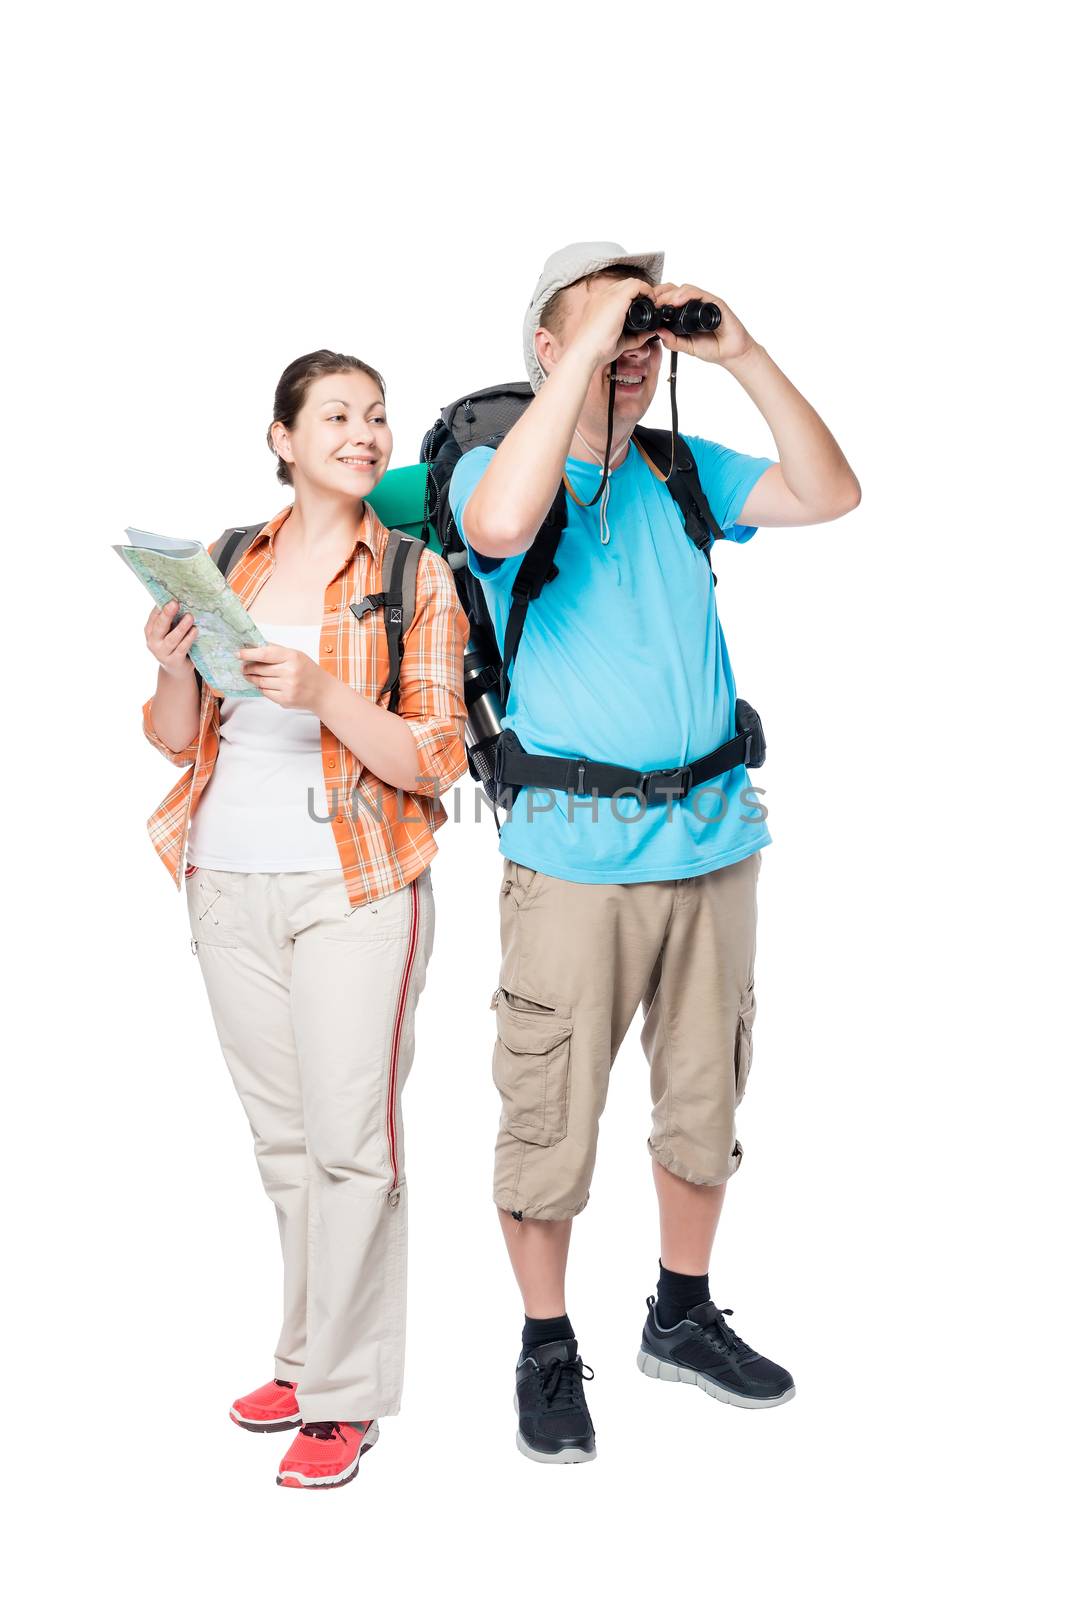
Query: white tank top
[(253, 816)]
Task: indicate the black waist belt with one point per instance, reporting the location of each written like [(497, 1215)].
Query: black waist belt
[(516, 769)]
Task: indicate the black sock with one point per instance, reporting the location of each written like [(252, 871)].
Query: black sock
[(676, 1294), (545, 1330)]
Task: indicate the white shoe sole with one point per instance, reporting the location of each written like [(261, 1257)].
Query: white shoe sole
[(293, 1421), (670, 1372), (557, 1458)]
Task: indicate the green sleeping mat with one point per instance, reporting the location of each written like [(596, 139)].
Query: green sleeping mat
[(398, 501)]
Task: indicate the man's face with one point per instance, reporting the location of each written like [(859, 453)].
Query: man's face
[(638, 370)]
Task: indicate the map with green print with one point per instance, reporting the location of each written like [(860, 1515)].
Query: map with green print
[(182, 570)]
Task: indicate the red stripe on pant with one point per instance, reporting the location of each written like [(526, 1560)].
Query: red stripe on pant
[(398, 1029)]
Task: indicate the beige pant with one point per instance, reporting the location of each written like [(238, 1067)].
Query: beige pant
[(314, 1004), (577, 961)]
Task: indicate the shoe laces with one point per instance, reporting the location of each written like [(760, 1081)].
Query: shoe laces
[(727, 1342), (322, 1430), (561, 1382)]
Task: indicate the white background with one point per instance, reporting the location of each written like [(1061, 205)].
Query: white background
[(198, 194)]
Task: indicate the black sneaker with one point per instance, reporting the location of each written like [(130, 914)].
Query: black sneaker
[(554, 1422), (702, 1350)]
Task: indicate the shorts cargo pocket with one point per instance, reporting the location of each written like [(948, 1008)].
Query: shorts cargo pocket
[(743, 1043), (519, 883), (531, 1068)]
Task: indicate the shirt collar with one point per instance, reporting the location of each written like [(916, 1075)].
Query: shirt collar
[(372, 532)]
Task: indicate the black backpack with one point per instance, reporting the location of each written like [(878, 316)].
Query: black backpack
[(397, 598), (484, 418)]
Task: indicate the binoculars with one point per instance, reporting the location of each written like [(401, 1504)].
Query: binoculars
[(696, 316)]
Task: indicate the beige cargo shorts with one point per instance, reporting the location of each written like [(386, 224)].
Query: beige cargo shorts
[(577, 959)]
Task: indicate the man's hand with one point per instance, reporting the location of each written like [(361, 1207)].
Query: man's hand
[(599, 329), (730, 340), (288, 677)]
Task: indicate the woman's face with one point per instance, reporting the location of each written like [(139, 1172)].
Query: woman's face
[(341, 441)]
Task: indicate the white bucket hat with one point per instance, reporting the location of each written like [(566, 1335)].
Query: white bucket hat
[(567, 266)]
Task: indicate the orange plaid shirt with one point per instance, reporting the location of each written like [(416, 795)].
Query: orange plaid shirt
[(383, 841)]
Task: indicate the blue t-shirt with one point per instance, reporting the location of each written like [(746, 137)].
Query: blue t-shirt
[(623, 660)]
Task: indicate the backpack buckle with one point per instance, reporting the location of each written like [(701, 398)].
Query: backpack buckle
[(698, 533), (674, 781), (747, 722)]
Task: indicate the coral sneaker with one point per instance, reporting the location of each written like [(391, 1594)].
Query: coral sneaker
[(268, 1409), (324, 1455)]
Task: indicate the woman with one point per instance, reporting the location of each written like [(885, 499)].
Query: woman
[(307, 819)]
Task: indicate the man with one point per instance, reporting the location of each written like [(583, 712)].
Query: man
[(612, 901)]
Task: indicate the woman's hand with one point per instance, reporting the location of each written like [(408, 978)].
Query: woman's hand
[(170, 646), (288, 677), (730, 340)]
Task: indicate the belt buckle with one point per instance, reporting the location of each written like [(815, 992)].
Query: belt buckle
[(681, 782)]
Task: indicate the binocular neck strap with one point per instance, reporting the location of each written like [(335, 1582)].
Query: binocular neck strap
[(608, 446), (672, 375)]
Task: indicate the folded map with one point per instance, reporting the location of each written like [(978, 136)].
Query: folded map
[(182, 570)]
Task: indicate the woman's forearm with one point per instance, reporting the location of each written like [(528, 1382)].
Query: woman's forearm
[(176, 707), (380, 739)]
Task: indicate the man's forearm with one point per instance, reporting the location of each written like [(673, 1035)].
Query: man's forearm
[(813, 466), (514, 495)]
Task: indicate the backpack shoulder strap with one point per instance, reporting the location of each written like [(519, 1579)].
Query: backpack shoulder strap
[(683, 484), (537, 568), (233, 544), (398, 580), (397, 599), (408, 572)]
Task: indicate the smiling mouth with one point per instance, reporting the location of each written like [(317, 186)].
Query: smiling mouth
[(356, 463), (629, 380)]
